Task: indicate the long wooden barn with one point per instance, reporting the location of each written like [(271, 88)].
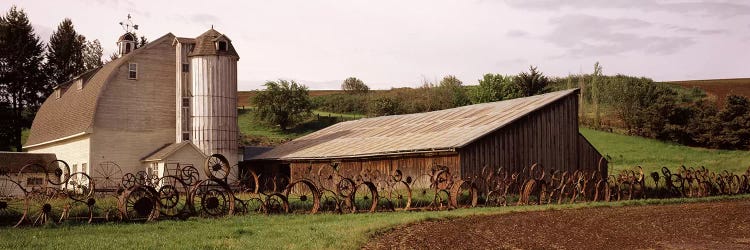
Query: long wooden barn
[(511, 134)]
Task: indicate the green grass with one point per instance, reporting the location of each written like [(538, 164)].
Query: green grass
[(321, 231), (258, 132), (627, 152)]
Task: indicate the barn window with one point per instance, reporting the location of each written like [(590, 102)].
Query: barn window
[(185, 67), (132, 71), (222, 46), (34, 181), (127, 48), (186, 102), (185, 136), (84, 168)]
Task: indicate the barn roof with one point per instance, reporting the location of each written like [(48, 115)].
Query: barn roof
[(169, 149), (437, 131), (73, 113)]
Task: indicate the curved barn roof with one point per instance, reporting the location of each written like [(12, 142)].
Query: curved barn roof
[(73, 113), (443, 130)]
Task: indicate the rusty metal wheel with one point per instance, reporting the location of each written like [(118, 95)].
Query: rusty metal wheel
[(33, 176), (303, 197), (330, 201), (43, 206), (276, 203), (399, 196), (214, 198), (364, 198), (12, 204), (60, 171), (129, 180), (139, 203), (249, 182), (108, 177), (217, 167), (189, 175), (464, 194), (345, 187), (496, 198)]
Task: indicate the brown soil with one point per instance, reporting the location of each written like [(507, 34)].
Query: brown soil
[(716, 225), (719, 89)]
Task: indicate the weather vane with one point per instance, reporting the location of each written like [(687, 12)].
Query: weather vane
[(128, 25)]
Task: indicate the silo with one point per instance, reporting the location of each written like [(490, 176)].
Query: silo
[(213, 67)]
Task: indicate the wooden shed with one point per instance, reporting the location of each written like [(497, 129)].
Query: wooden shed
[(511, 134)]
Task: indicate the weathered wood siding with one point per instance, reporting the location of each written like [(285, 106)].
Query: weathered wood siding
[(548, 137), (589, 157), (410, 165)]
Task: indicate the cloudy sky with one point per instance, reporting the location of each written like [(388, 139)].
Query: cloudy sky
[(401, 43)]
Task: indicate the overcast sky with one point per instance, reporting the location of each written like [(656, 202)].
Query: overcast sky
[(400, 43)]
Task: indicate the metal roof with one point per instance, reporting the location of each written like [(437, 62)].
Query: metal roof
[(437, 131)]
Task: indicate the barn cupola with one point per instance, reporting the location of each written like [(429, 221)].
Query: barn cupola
[(128, 41)]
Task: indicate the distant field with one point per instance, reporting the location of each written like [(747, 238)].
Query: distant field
[(627, 152), (718, 89)]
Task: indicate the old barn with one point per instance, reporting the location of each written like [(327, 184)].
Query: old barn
[(540, 129)]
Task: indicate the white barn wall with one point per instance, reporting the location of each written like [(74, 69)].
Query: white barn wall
[(73, 151), (136, 117)]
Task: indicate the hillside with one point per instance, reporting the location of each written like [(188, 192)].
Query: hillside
[(718, 89)]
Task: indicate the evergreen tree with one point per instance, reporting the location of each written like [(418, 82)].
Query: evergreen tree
[(23, 86), (65, 53)]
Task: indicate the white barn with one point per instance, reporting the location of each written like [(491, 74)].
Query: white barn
[(172, 101)]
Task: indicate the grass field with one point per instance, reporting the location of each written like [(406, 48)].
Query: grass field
[(255, 132), (321, 231), (630, 151)]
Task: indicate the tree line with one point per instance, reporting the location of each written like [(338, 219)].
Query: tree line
[(30, 69), (618, 103)]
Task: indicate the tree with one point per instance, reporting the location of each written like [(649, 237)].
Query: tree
[(65, 58), (492, 88), (92, 55), (142, 42), (352, 85), (455, 89), (531, 83), (595, 93), (283, 103), (23, 85)]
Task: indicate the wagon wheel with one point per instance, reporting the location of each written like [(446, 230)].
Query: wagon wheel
[(330, 201), (496, 198), (327, 176), (143, 178), (60, 172), (441, 180), (464, 194), (303, 197), (214, 198), (249, 182), (397, 176), (172, 198), (399, 195), (107, 176), (139, 203), (345, 187), (422, 194), (276, 203), (189, 175), (364, 198), (41, 206), (129, 180), (440, 200), (12, 204), (79, 187), (33, 171), (217, 167), (254, 205)]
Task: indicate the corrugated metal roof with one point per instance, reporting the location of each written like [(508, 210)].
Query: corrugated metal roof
[(444, 130)]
